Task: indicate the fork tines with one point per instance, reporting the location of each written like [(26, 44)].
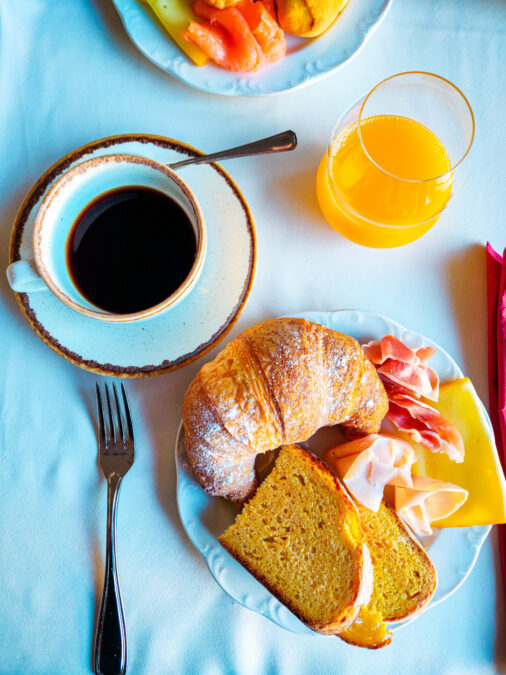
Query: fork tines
[(115, 422)]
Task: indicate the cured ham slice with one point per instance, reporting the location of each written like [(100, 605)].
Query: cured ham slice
[(407, 377), (428, 500), (403, 366), (367, 464), (424, 424)]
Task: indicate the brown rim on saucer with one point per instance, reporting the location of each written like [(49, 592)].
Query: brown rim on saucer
[(53, 193), (108, 369)]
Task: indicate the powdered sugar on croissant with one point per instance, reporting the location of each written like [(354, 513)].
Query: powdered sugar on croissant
[(277, 383)]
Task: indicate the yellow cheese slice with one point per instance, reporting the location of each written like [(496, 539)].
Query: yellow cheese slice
[(480, 473), (175, 15)]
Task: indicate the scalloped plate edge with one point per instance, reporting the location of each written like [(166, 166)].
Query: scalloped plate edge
[(239, 88)]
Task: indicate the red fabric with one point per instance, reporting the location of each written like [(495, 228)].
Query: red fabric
[(494, 267), (496, 306), (501, 360)]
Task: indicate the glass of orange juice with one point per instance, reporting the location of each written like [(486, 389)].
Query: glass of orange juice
[(394, 160)]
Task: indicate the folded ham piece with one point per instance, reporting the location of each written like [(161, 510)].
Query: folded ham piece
[(366, 465), (424, 424), (404, 366), (428, 500)]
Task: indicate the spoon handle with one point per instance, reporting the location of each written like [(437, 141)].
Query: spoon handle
[(287, 140)]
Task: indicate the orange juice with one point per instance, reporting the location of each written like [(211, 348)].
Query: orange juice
[(386, 186)]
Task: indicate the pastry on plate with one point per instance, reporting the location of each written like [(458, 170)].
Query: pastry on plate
[(341, 568), (277, 383), (404, 576), (300, 535), (308, 18)]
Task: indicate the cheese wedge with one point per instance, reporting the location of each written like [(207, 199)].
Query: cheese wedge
[(480, 473), (175, 16)]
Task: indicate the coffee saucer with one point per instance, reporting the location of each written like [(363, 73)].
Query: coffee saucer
[(179, 336)]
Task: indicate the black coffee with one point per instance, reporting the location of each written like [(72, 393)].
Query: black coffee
[(130, 249)]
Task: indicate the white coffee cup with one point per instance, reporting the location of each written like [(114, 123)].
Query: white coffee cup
[(63, 204)]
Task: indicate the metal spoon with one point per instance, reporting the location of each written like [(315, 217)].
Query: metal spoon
[(287, 140)]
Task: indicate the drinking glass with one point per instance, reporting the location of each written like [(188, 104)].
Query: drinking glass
[(395, 160)]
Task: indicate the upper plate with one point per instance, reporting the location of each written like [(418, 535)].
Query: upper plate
[(180, 335), (453, 551), (306, 60)]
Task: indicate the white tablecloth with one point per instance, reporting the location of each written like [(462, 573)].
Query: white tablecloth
[(69, 74)]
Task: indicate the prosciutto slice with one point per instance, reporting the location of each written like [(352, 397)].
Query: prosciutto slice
[(428, 500), (403, 366), (407, 377), (424, 424), (367, 464)]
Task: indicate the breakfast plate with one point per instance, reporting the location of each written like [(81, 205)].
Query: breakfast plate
[(180, 335), (453, 551), (305, 62)]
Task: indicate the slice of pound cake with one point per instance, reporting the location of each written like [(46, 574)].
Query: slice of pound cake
[(300, 535), (404, 577)]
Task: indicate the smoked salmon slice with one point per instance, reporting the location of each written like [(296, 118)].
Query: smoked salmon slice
[(211, 40), (270, 7), (233, 45), (240, 38), (264, 27)]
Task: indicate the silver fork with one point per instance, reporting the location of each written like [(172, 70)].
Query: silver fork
[(116, 456)]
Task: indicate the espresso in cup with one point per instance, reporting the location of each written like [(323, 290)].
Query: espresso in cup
[(117, 238), (130, 249)]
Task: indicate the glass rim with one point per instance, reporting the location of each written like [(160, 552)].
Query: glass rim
[(450, 171)]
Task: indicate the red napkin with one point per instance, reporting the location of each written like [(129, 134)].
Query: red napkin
[(496, 304)]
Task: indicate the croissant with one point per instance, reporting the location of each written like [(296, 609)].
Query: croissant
[(276, 384)]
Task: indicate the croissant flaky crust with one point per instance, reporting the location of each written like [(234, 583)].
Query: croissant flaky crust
[(277, 383)]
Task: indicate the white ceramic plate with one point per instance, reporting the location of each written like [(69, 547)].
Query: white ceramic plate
[(176, 337), (306, 60), (453, 550)]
